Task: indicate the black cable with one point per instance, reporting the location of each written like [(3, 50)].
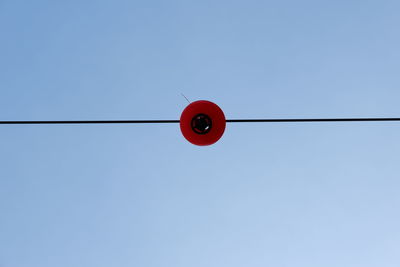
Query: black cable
[(315, 120), (91, 122), (177, 121)]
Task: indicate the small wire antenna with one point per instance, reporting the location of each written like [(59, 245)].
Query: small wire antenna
[(185, 98)]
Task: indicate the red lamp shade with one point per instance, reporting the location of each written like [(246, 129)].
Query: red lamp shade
[(202, 123)]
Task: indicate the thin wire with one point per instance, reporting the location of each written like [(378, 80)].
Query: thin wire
[(177, 121), (185, 98), (316, 120), (91, 122)]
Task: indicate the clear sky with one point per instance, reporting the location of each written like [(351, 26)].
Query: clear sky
[(304, 195)]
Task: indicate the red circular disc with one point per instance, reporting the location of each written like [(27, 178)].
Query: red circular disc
[(202, 123)]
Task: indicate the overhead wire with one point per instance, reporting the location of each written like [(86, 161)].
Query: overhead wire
[(177, 121)]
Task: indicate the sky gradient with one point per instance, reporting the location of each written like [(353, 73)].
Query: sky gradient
[(304, 195)]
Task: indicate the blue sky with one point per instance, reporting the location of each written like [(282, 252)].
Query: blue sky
[(141, 195)]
